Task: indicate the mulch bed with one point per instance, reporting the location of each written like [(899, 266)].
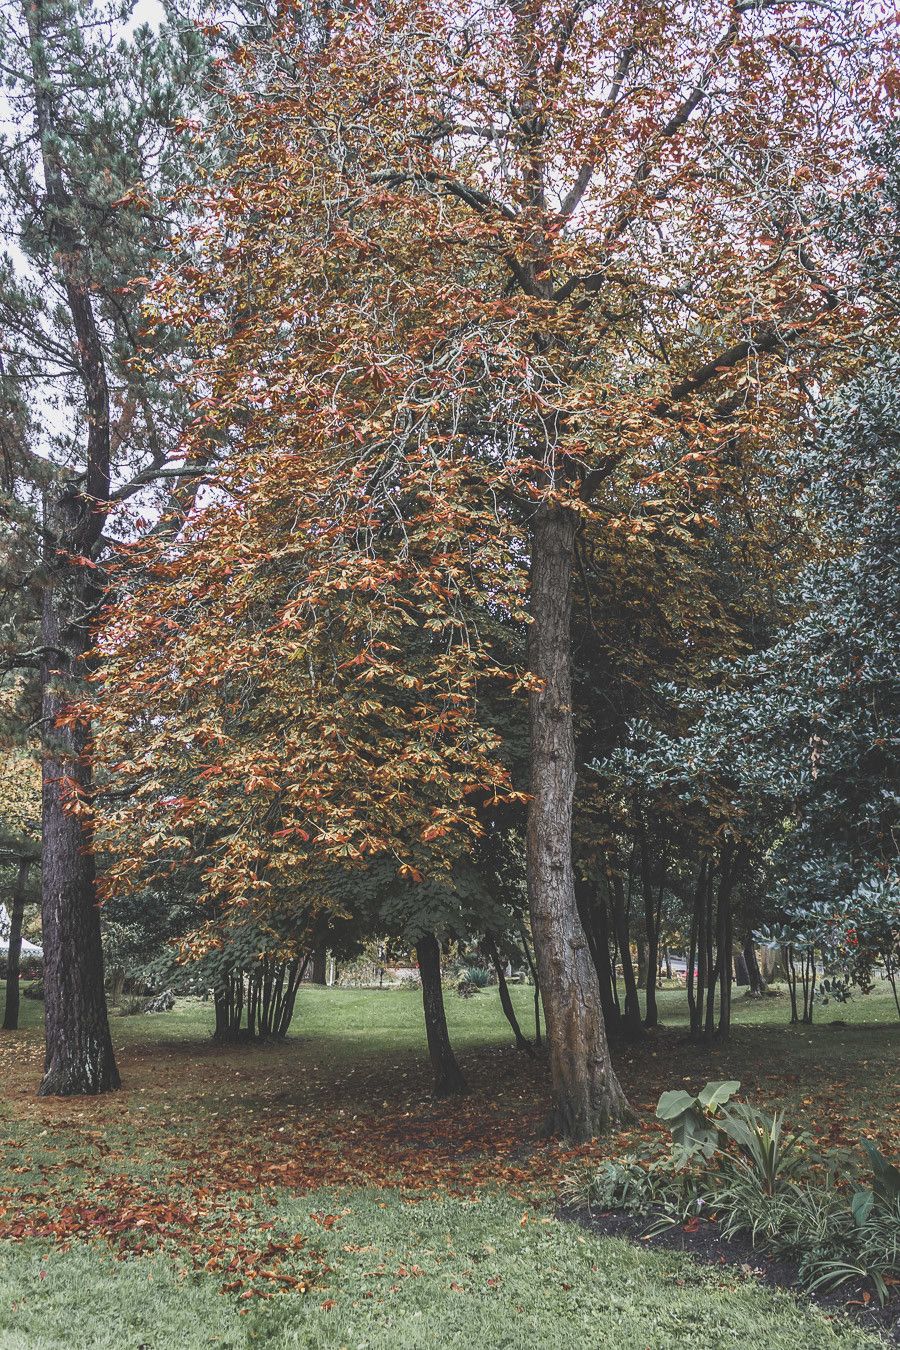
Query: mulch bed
[(706, 1243)]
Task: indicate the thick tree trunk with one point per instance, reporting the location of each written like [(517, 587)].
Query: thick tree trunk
[(587, 1095), (448, 1077), (79, 1053), (754, 974), (319, 971), (16, 917)]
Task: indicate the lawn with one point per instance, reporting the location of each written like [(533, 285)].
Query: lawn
[(311, 1194)]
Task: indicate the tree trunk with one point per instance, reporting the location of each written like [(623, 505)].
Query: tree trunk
[(534, 977), (586, 1092), (696, 968), (754, 974), (448, 1077), (594, 921), (79, 1053), (631, 1015), (652, 913), (725, 956), (642, 964), (16, 917), (319, 972), (506, 1002)]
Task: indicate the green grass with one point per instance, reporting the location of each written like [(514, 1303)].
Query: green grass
[(444, 1272), (428, 1248)]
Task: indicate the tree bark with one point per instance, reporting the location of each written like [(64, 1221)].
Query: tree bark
[(631, 1013), (79, 1054), (652, 916), (319, 972), (506, 1002), (448, 1077), (594, 921), (13, 960), (587, 1096), (535, 980)]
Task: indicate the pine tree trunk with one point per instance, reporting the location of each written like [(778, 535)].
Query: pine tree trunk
[(79, 1053), (587, 1095), (13, 960), (448, 1077)]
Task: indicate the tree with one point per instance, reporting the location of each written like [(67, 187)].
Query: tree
[(466, 280), (86, 161), (785, 765)]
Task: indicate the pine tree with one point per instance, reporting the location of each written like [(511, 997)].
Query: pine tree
[(86, 170)]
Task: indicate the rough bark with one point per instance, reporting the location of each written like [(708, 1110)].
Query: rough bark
[(754, 974), (79, 1055), (587, 1096), (13, 960), (448, 1077)]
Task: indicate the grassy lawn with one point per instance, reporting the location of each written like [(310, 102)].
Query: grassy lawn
[(311, 1194)]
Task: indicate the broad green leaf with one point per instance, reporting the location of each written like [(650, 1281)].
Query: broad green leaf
[(715, 1095), (671, 1105)]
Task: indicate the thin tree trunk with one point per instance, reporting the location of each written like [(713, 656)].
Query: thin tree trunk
[(642, 963), (594, 921), (14, 957), (725, 962), (696, 972), (712, 964), (631, 1014), (448, 1077), (651, 923), (506, 1002), (792, 983), (534, 978), (587, 1096)]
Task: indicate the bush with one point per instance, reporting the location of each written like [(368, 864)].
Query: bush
[(471, 979), (734, 1161), (476, 975)]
